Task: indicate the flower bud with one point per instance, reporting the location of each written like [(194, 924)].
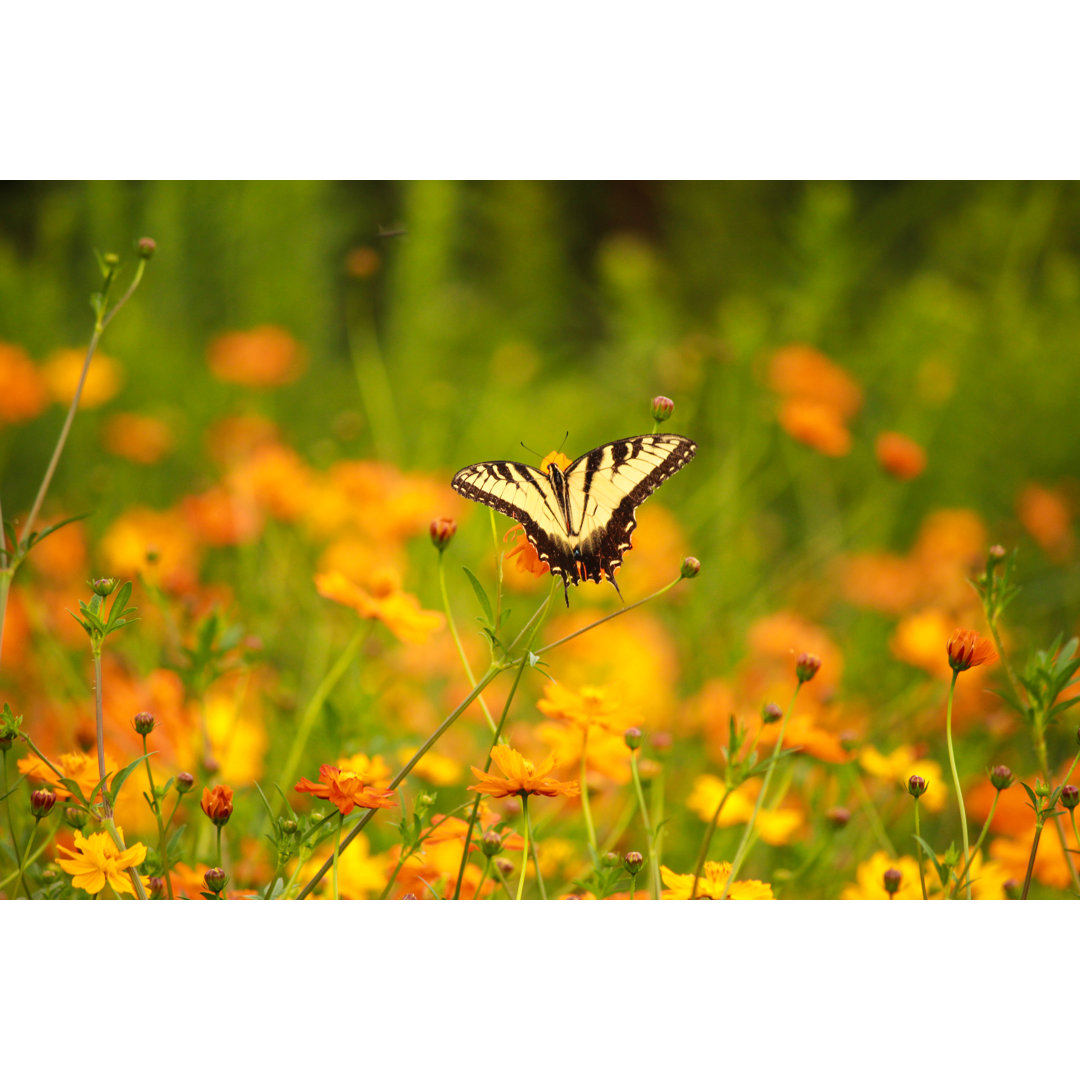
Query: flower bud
[(633, 861), (806, 667), (156, 888), (491, 843), (362, 262), (662, 741), (690, 567), (891, 879), (771, 713), (662, 408), (217, 803), (103, 586), (611, 859), (442, 532), (1013, 889), (632, 736), (1001, 777), (916, 786), (966, 649), (838, 816), (1070, 796), (997, 553), (76, 817), (146, 247), (184, 782), (42, 802), (111, 259), (504, 866), (288, 826), (144, 723), (1042, 788), (216, 879)]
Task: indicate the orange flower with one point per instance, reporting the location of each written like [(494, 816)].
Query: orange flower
[(520, 777), (1045, 514), (816, 425), (399, 611), (711, 884), (153, 544), (524, 554), (217, 804), (346, 790), (900, 456), (802, 372), (967, 649), (219, 518), (593, 706), (97, 860), (23, 393), (263, 357), (81, 768), (62, 372), (142, 439)]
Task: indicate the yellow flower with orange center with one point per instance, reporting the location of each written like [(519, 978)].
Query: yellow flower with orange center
[(97, 861), (346, 790), (520, 777), (400, 612), (711, 885), (23, 391), (264, 357), (82, 768)]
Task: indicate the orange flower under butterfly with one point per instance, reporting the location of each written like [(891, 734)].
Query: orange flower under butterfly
[(346, 790), (967, 649), (525, 556), (520, 777)]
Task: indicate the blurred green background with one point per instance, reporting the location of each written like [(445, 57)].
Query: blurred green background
[(507, 312)]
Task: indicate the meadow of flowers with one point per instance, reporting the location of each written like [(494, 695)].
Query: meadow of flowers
[(253, 646)]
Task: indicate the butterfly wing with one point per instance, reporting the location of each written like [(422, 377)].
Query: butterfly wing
[(605, 487)]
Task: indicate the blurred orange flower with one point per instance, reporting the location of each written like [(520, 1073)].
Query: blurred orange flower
[(592, 706), (219, 518), (81, 768), (157, 545), (898, 765), (776, 827), (1047, 517), (235, 438), (346, 790), (400, 612), (523, 555), (264, 357), (520, 777), (23, 391), (711, 884), (870, 879), (802, 372), (900, 456), (64, 367), (606, 753), (816, 425), (144, 440)]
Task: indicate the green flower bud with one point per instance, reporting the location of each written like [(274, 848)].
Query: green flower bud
[(771, 713), (662, 408), (891, 879), (690, 567), (43, 801), (76, 817), (491, 843), (216, 879), (1013, 889), (146, 248), (838, 816), (1001, 777), (632, 736), (144, 723), (1070, 796), (442, 532), (103, 586), (611, 859), (806, 667), (633, 861), (916, 786), (184, 782)]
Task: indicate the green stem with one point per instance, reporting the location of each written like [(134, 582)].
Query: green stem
[(919, 852), (318, 699), (956, 776), (448, 612), (586, 812), (525, 853), (337, 847), (978, 843), (33, 857), (654, 862), (703, 854), (99, 716), (535, 849), (1031, 859), (14, 836), (748, 832), (156, 807)]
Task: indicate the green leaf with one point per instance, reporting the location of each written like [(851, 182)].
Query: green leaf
[(480, 595), (14, 787), (75, 790), (124, 773)]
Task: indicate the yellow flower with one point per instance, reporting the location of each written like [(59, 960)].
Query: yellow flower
[(399, 611), (589, 707), (98, 860), (520, 777), (711, 884), (776, 827), (142, 439), (870, 879), (62, 372), (902, 763), (435, 768)]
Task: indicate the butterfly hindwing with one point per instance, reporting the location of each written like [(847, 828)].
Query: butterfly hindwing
[(580, 520)]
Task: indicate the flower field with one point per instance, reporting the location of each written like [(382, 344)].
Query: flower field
[(255, 645)]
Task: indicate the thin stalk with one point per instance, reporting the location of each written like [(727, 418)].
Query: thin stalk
[(703, 854), (30, 859), (525, 853), (654, 859), (584, 784), (337, 846), (535, 849), (99, 716), (14, 835), (956, 776), (156, 807), (919, 852), (978, 843), (1031, 859)]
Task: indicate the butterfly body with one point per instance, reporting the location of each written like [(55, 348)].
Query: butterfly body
[(579, 519)]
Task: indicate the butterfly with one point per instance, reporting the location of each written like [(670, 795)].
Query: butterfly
[(579, 520)]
